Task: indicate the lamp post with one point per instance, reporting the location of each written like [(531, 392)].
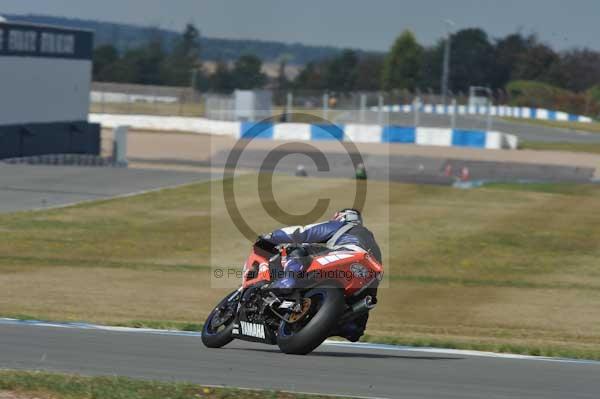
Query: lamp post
[(489, 102), (446, 69)]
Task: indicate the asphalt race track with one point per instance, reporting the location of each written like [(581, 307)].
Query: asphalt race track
[(524, 130), (336, 369), (407, 169), (24, 187), (368, 371)]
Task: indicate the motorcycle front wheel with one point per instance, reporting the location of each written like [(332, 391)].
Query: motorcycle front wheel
[(302, 337), (218, 327)]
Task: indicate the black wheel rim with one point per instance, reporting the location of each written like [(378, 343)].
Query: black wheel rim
[(289, 329), (220, 318)]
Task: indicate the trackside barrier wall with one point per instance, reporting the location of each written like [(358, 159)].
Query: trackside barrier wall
[(495, 110), (301, 131), (45, 78), (32, 139)]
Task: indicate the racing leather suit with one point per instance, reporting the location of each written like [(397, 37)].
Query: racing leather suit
[(347, 236), (355, 237)]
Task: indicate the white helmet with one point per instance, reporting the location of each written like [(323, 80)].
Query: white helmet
[(348, 215)]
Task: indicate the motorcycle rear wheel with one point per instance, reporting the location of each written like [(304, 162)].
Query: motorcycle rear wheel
[(302, 337), (218, 327)]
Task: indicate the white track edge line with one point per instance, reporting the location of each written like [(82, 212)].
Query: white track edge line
[(356, 345), (331, 395)]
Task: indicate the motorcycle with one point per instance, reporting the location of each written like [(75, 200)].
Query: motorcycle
[(295, 308)]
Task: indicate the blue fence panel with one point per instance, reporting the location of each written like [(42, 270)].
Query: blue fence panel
[(398, 134), (326, 132), (468, 138), (533, 113), (252, 130)]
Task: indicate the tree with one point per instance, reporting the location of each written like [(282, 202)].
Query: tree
[(507, 53), (594, 93), (142, 65), (247, 73), (282, 80), (472, 59), (536, 63), (368, 72), (222, 81), (433, 58), (544, 95), (403, 65), (189, 45), (103, 57), (310, 78), (178, 67), (119, 72), (151, 58), (579, 69), (341, 73)]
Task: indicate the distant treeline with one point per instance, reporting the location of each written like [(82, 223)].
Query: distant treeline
[(126, 37), (519, 68), (476, 60), (153, 64)]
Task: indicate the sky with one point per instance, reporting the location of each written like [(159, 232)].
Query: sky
[(365, 24)]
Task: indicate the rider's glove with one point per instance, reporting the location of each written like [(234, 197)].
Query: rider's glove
[(264, 242)]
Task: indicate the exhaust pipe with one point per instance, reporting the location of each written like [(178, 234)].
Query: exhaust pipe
[(358, 309), (365, 305)]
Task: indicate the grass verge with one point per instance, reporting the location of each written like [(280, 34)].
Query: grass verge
[(575, 189), (143, 108), (500, 267), (593, 127), (591, 148), (50, 386), (557, 351)]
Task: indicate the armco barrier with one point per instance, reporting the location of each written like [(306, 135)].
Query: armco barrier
[(496, 110), (301, 131), (33, 139), (167, 123)]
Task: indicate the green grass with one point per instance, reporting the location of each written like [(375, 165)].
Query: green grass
[(530, 350), (50, 385), (549, 188), (142, 108), (503, 266), (593, 127), (591, 148)]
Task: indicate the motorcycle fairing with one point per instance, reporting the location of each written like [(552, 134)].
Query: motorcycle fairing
[(253, 332)]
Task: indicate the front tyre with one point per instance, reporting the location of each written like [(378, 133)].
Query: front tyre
[(218, 327), (304, 336)]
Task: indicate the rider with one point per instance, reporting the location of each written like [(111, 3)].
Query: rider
[(344, 231)]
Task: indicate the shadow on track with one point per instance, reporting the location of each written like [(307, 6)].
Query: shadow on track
[(354, 355)]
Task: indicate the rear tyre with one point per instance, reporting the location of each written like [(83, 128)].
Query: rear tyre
[(218, 327), (304, 336)]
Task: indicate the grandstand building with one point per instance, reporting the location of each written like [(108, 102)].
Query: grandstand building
[(45, 78)]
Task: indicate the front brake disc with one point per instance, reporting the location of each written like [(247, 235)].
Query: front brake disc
[(297, 316), (220, 319)]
